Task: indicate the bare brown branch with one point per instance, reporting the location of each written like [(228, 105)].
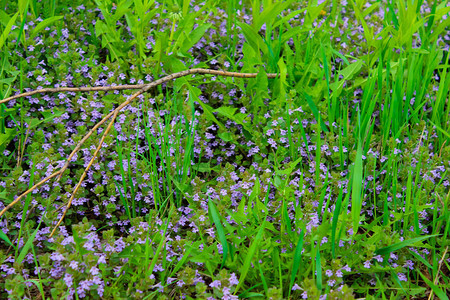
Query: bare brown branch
[(143, 88)]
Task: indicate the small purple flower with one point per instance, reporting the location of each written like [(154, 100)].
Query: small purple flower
[(402, 277), (74, 265), (233, 279), (215, 284), (68, 279), (94, 271)]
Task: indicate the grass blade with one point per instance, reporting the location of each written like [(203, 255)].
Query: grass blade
[(250, 254), (220, 231)]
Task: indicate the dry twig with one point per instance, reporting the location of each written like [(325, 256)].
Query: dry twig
[(142, 89)]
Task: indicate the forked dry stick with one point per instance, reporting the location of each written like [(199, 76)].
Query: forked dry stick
[(143, 88), (86, 170)]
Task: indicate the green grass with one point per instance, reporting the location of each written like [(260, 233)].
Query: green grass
[(329, 180)]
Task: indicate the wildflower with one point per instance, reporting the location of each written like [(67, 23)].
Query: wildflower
[(68, 279), (379, 258), (215, 284), (74, 265), (233, 279), (94, 271), (402, 277)]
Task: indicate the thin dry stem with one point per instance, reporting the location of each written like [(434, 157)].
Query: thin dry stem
[(28, 191), (436, 279), (143, 88), (86, 170)]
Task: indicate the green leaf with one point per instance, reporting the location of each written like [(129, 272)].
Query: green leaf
[(250, 254), (4, 237), (158, 250), (195, 92), (315, 112), (27, 246), (440, 293), (193, 37), (253, 38), (48, 116), (43, 24), (220, 231), (7, 30), (356, 189), (5, 138), (347, 73), (398, 246), (297, 261)]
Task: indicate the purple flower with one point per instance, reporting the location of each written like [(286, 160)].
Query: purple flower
[(94, 271), (55, 256), (215, 284), (68, 279), (379, 258), (402, 277), (233, 279), (74, 265)]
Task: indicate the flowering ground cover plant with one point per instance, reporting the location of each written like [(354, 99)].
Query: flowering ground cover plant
[(328, 180)]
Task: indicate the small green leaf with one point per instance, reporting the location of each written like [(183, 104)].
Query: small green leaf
[(4, 237)]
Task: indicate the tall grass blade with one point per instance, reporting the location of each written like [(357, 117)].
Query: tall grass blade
[(250, 254), (220, 231)]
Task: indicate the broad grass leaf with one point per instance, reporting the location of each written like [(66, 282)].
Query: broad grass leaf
[(270, 13), (253, 38), (27, 246), (347, 73), (439, 292), (8, 136), (220, 231), (193, 37), (43, 24), (315, 112), (4, 237), (250, 254), (356, 189), (7, 30), (297, 261), (282, 81), (398, 246), (318, 270), (158, 250)]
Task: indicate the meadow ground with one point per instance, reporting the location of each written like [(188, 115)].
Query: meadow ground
[(325, 176)]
